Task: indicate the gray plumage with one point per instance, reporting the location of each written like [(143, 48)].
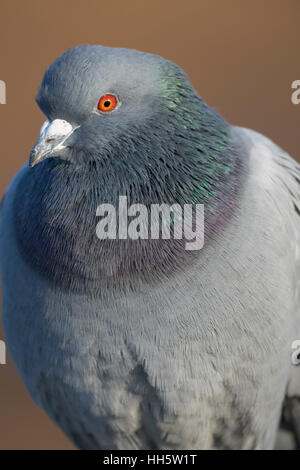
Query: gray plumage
[(139, 344)]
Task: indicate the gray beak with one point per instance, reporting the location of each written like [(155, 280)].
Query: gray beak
[(51, 140)]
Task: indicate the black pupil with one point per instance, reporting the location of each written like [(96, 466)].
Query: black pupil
[(106, 104)]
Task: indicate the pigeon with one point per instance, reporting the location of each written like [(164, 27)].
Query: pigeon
[(140, 343)]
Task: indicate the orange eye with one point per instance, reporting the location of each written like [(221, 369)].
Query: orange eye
[(107, 103)]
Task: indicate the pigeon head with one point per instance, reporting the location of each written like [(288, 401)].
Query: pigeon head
[(98, 99), (127, 109)]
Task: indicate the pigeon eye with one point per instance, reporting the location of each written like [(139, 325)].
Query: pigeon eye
[(107, 103)]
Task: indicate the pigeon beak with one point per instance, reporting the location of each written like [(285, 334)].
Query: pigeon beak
[(51, 140)]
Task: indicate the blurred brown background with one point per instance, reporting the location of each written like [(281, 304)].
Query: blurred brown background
[(241, 56)]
